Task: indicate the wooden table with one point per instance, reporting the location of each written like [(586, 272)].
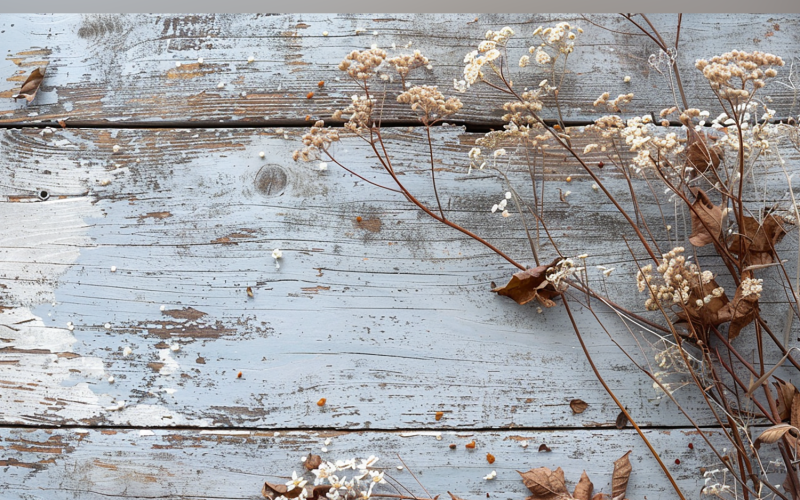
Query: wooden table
[(160, 213)]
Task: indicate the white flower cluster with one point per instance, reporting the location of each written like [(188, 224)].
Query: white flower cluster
[(714, 489), (563, 269), (489, 52), (560, 38), (359, 487), (474, 158), (637, 132), (502, 205), (751, 286), (678, 277)]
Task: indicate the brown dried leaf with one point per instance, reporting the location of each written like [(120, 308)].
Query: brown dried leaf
[(704, 212), (273, 491), (622, 473), (250, 292), (774, 434), (601, 496), (786, 394), (584, 488), (699, 154), (530, 284), (31, 85), (743, 309), (794, 419), (714, 313), (544, 447), (319, 492), (622, 420), (578, 405), (760, 239), (545, 484), (312, 462), (454, 497)]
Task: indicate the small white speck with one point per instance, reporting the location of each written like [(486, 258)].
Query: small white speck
[(438, 437), (524, 444), (108, 326), (138, 160), (303, 459), (199, 60), (324, 33), (324, 450), (244, 94), (375, 33), (111, 379), (430, 66), (276, 434), (262, 154), (127, 351), (221, 85), (327, 441), (595, 187), (175, 347), (146, 432), (399, 467), (113, 269), (163, 307), (70, 326), (105, 182), (251, 59), (81, 431), (508, 195), (323, 166), (178, 64), (627, 79), (115, 148)]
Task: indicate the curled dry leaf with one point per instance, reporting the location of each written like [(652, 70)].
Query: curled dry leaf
[(622, 420), (544, 447), (699, 155), (531, 284), (706, 219), (490, 458), (760, 239), (794, 419), (787, 393), (31, 85), (273, 491), (250, 292), (622, 473), (578, 405), (545, 484), (713, 313), (775, 433), (312, 462), (584, 488), (743, 309), (601, 496)]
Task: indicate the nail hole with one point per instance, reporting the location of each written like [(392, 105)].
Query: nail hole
[(44, 195)]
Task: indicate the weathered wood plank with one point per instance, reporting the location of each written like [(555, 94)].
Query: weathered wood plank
[(122, 67), (389, 318), (88, 464)]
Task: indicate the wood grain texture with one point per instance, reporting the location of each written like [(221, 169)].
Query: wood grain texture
[(89, 464), (389, 318), (121, 68)]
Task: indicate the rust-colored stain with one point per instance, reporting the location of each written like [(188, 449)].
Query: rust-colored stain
[(315, 289), (13, 462), (104, 465), (372, 225), (189, 313), (161, 345), (229, 239), (200, 360), (155, 366), (108, 432), (189, 71), (155, 215)]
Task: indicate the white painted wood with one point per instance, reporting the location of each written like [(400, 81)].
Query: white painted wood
[(390, 319), (122, 68), (89, 464)]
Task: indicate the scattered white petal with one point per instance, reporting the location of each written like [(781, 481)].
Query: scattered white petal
[(178, 64), (163, 307), (324, 449), (199, 60), (262, 154), (115, 148), (175, 347), (113, 269), (327, 441), (108, 326), (111, 379), (127, 351), (251, 59), (221, 85)]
